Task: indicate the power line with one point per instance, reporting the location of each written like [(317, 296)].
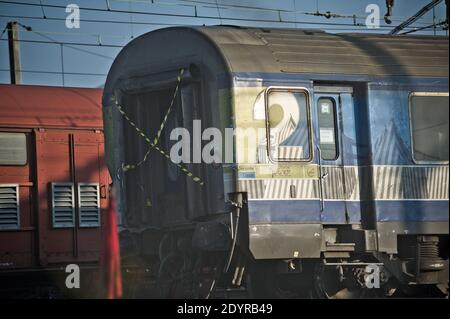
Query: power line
[(96, 35), (227, 6), (415, 17), (92, 20), (57, 72), (129, 11), (283, 21), (73, 48), (30, 29), (355, 27), (68, 43), (442, 24), (42, 9), (4, 30), (71, 44)]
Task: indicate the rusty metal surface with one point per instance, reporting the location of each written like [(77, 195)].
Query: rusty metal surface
[(30, 106)]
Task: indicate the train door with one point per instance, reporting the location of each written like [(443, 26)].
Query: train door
[(330, 108), (91, 189), (71, 193)]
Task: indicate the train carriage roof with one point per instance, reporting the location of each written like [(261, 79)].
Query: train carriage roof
[(234, 50), (31, 106), (302, 51)]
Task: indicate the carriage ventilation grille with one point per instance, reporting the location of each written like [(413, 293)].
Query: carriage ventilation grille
[(9, 206), (63, 205), (89, 204)]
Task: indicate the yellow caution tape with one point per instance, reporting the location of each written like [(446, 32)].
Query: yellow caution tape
[(153, 145)]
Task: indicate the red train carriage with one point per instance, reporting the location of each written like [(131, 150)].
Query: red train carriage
[(53, 187)]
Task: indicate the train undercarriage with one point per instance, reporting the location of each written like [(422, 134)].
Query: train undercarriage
[(179, 269)]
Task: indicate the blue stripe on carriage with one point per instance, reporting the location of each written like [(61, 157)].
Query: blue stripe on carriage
[(284, 211), (410, 210), (307, 211)]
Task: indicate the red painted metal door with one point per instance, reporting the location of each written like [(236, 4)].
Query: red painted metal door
[(90, 168)]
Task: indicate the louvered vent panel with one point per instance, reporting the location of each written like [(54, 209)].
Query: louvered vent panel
[(9, 206), (63, 208), (89, 204)]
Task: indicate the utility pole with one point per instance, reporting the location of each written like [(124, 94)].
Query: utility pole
[(14, 52)]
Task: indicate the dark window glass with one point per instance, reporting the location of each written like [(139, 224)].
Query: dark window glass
[(13, 149), (429, 126), (326, 109)]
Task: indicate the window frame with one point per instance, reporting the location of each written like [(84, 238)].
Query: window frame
[(305, 91), (336, 128), (26, 147), (411, 133)]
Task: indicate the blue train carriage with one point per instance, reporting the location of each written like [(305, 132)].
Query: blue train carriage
[(337, 180)]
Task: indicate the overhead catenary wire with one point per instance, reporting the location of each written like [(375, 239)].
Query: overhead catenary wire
[(415, 17), (90, 20), (66, 43), (57, 72), (3, 32), (106, 45), (74, 48), (30, 29), (348, 26), (42, 9), (284, 21), (228, 6), (69, 43), (442, 24)]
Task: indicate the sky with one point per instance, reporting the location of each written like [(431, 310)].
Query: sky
[(52, 54)]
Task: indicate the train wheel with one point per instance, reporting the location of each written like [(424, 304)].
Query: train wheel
[(327, 283), (330, 282), (169, 280)]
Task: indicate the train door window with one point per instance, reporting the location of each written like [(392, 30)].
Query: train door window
[(13, 148), (429, 126), (288, 125), (326, 110)]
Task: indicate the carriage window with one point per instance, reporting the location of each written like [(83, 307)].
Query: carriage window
[(429, 127), (288, 126), (327, 128), (13, 149)]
